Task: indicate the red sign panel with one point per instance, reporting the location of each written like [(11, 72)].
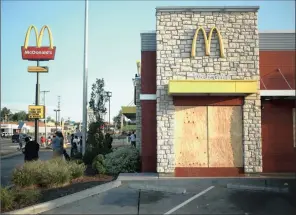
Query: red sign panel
[(38, 53)]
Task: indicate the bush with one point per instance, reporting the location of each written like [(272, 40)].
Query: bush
[(54, 173), (124, 159), (25, 197), (27, 174), (49, 173), (90, 155), (11, 197), (6, 197), (99, 164), (76, 170)]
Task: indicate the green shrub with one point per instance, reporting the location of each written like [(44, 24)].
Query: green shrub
[(7, 198), (124, 159), (99, 164), (54, 173), (27, 174), (76, 170), (25, 197), (51, 173), (90, 155)]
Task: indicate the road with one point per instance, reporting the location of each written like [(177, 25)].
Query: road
[(7, 147)]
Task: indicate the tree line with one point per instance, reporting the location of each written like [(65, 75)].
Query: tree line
[(8, 116)]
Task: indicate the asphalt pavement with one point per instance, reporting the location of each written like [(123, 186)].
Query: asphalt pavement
[(7, 147), (205, 196)]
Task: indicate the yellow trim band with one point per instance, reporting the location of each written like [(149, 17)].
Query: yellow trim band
[(213, 86)]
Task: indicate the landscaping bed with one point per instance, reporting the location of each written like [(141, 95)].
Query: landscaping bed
[(52, 183), (41, 181)]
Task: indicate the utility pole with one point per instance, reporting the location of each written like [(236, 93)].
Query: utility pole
[(45, 121), (56, 110), (37, 103), (59, 108)]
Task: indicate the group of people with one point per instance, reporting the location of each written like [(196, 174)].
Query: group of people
[(31, 150)]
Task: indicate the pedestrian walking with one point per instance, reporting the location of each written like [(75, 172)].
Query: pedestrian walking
[(133, 139), (76, 144), (31, 150), (57, 146)]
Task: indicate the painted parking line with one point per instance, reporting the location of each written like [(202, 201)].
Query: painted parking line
[(189, 200)]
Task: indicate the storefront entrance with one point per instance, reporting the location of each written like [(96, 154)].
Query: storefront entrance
[(208, 137)]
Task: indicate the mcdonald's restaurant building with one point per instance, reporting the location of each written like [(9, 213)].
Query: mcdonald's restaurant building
[(215, 97)]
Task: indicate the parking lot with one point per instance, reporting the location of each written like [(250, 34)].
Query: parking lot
[(202, 197)]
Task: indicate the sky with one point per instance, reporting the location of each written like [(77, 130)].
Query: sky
[(114, 47)]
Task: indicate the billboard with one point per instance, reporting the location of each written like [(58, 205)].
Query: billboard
[(38, 52)]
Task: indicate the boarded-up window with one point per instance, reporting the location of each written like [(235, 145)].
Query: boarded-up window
[(294, 126)]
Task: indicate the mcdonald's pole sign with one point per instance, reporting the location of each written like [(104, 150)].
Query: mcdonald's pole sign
[(38, 52), (208, 40)]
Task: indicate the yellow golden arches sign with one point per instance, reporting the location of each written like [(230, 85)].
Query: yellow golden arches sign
[(38, 52), (207, 41), (38, 37)]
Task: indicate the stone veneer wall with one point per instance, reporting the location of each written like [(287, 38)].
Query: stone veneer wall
[(138, 114), (174, 34)]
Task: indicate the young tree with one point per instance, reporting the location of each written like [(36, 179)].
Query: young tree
[(98, 99), (95, 141), (117, 120)]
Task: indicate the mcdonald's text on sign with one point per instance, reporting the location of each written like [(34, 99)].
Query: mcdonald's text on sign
[(36, 111), (43, 69), (38, 52)]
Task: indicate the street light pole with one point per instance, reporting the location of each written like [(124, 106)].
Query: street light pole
[(109, 95), (44, 94), (85, 76)]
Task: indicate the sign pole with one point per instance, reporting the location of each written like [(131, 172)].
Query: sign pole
[(37, 103)]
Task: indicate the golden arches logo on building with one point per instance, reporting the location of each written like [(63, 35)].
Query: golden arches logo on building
[(208, 40), (38, 52)]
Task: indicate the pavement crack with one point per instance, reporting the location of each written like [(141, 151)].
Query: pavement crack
[(139, 199)]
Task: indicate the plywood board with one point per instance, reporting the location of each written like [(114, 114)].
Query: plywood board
[(225, 136), (191, 137)]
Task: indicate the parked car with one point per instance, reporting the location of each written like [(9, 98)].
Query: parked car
[(17, 138), (4, 134)]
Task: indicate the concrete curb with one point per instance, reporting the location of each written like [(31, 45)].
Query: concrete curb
[(46, 206), (168, 189), (11, 155), (258, 188), (137, 176)]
